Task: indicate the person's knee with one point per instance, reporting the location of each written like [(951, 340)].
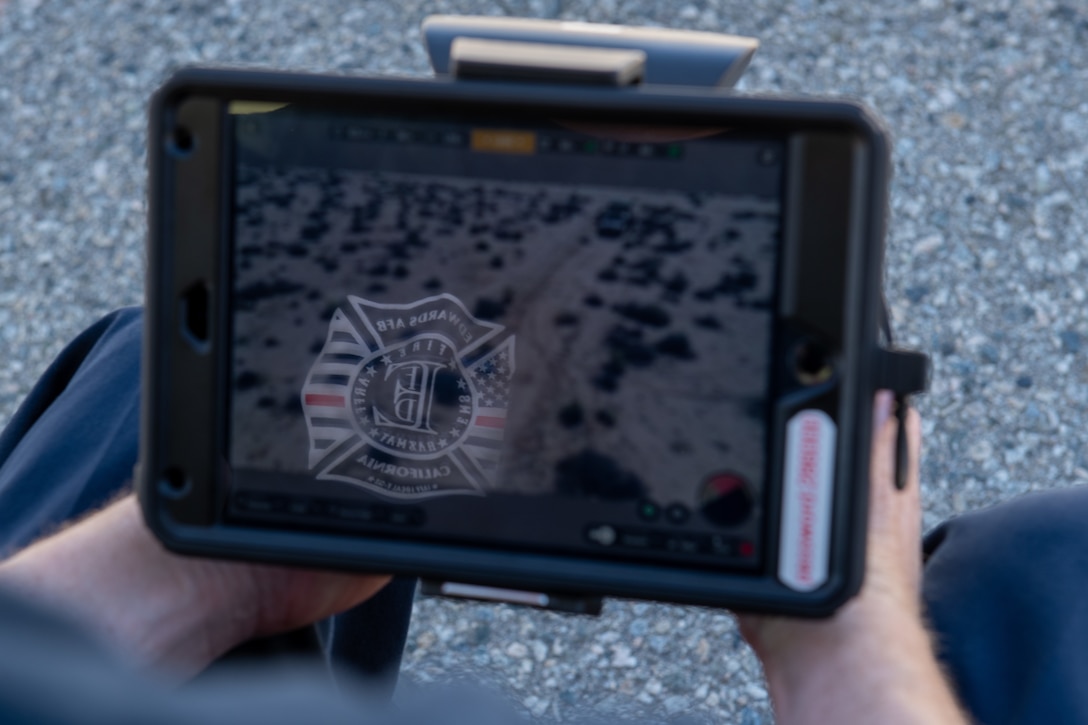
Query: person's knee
[(1033, 535), (1004, 591), (1014, 569)]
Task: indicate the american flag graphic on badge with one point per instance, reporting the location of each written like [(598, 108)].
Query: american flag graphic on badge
[(410, 400)]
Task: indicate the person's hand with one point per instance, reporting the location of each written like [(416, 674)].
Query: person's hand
[(872, 661), (288, 598), (173, 612), (891, 588)]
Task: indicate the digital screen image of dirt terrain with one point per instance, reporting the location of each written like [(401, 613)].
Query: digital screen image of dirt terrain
[(468, 331)]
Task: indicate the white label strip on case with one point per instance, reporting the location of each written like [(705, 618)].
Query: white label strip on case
[(805, 537)]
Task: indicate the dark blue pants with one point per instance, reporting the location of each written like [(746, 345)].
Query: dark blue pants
[(1007, 593), (1006, 588), (71, 448)]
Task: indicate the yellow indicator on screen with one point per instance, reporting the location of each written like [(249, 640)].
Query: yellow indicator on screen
[(245, 108), (497, 141)]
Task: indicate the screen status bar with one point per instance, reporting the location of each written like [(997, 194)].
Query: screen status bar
[(504, 141)]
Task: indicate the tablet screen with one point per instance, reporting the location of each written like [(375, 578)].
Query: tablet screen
[(547, 336)]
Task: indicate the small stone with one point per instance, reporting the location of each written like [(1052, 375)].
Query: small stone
[(621, 657), (658, 643), (1024, 381), (677, 704), (748, 716), (1071, 341), (917, 293), (928, 244), (536, 705), (963, 368), (954, 121), (540, 650), (980, 451), (517, 650), (100, 170), (756, 692)]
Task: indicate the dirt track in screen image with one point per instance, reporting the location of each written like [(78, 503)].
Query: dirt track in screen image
[(641, 317)]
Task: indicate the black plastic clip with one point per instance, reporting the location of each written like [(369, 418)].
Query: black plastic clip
[(904, 372)]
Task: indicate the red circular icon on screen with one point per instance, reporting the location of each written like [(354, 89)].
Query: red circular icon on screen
[(726, 499)]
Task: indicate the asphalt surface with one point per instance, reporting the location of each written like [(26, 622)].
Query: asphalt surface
[(988, 104)]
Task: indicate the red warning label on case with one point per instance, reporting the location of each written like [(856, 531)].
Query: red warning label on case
[(806, 501)]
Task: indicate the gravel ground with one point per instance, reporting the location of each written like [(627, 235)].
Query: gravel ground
[(986, 263)]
